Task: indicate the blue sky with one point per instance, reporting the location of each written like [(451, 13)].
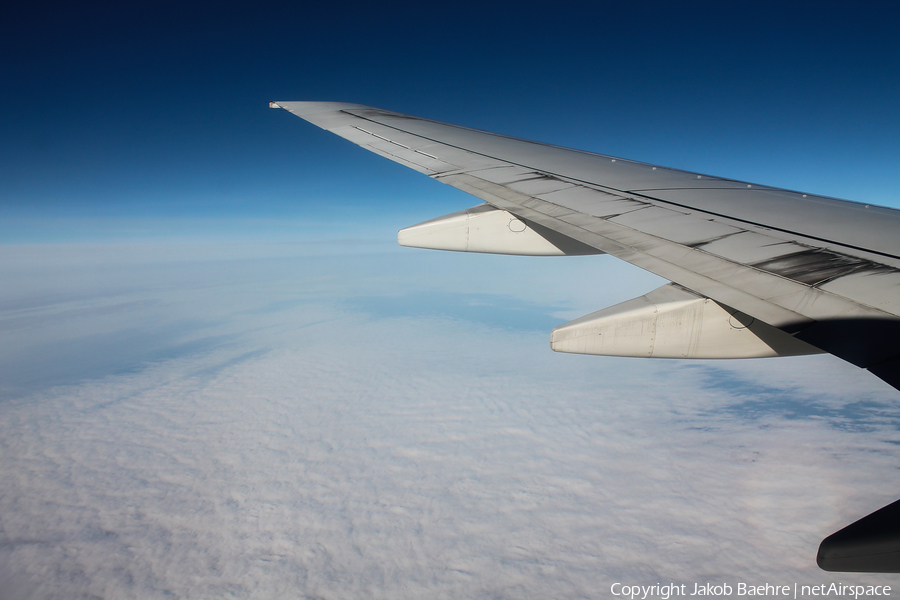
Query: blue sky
[(122, 119), (220, 375)]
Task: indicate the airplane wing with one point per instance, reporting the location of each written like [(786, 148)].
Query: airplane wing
[(756, 271), (810, 273)]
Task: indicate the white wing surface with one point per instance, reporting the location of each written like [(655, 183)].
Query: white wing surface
[(756, 270)]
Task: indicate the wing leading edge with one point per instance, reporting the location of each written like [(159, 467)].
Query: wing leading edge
[(756, 271)]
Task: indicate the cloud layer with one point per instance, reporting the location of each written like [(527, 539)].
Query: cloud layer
[(316, 448)]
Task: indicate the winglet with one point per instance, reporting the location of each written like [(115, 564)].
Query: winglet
[(274, 105)]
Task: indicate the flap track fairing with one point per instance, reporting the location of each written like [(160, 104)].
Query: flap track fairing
[(491, 230), (673, 322)]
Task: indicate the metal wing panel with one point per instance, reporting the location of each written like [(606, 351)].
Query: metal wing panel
[(747, 247), (675, 226), (855, 226), (415, 161), (594, 202), (878, 289), (618, 173)]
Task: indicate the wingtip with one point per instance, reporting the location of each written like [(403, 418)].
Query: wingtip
[(312, 107)]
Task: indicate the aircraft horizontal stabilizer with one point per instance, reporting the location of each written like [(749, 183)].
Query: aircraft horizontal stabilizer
[(486, 229), (673, 322)]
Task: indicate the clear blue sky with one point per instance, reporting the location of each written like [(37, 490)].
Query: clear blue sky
[(125, 120)]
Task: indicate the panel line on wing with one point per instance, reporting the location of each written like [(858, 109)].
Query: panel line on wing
[(381, 137)]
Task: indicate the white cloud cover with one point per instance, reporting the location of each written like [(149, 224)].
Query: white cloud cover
[(265, 435)]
